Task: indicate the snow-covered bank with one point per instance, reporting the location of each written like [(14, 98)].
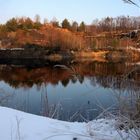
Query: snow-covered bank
[(17, 125)]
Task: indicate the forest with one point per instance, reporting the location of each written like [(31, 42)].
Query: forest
[(17, 32)]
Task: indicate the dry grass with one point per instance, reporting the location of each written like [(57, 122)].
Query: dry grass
[(55, 57)]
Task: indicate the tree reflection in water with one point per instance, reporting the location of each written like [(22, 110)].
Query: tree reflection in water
[(88, 80)]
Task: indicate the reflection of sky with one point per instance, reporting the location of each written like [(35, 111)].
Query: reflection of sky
[(77, 92), (72, 98)]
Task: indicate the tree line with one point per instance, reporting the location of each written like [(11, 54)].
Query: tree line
[(117, 24), (108, 24), (26, 23)]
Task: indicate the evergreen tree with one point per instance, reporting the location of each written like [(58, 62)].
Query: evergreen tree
[(28, 24), (66, 24), (12, 25), (74, 26), (82, 27)]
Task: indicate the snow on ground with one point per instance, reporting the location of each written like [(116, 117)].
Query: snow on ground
[(17, 125)]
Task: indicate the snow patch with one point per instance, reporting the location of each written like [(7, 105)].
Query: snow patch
[(17, 125)]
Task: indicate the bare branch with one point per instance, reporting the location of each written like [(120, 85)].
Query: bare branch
[(131, 2)]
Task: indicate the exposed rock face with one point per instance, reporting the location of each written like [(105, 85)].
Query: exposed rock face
[(132, 34)]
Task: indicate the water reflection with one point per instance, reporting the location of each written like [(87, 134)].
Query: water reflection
[(78, 91)]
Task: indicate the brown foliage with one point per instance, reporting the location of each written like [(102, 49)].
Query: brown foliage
[(63, 38)]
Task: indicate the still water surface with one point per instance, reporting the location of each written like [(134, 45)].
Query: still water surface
[(77, 91)]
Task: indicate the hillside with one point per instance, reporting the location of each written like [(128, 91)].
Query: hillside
[(46, 36)]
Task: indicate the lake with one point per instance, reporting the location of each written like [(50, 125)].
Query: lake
[(71, 90)]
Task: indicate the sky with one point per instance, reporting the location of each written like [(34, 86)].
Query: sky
[(74, 10)]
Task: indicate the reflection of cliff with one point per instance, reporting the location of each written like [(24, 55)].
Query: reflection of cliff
[(103, 74)]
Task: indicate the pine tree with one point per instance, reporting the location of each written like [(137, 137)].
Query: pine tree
[(66, 24), (82, 27), (74, 26), (12, 25)]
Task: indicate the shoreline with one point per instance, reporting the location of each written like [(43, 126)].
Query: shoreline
[(45, 55)]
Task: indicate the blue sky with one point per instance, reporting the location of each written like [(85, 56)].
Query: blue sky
[(79, 10)]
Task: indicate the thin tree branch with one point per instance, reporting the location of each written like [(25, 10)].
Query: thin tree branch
[(131, 2)]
